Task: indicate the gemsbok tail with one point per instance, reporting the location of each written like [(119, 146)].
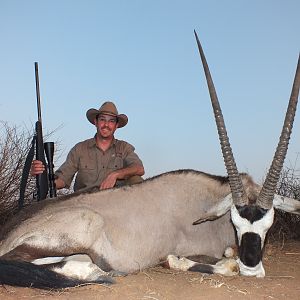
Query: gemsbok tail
[(26, 274)]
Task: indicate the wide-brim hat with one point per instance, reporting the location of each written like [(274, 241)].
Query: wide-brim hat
[(107, 108)]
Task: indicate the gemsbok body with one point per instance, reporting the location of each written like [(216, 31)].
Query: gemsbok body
[(89, 236)]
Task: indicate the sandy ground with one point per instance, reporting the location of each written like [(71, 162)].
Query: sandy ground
[(282, 281)]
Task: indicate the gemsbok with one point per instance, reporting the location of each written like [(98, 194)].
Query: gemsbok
[(90, 236)]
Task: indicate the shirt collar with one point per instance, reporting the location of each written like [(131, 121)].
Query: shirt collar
[(92, 142)]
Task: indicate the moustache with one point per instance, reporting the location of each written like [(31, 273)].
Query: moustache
[(105, 127)]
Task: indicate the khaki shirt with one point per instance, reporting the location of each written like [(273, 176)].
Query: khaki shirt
[(92, 165)]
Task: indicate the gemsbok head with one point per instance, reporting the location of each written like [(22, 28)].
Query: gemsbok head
[(252, 216)]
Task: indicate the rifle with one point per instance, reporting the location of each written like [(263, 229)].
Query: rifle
[(45, 182)]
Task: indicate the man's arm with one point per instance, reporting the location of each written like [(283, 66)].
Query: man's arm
[(124, 173), (59, 183), (64, 175)]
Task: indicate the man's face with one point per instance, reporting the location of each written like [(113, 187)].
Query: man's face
[(106, 125)]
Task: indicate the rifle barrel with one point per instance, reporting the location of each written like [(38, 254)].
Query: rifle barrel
[(41, 179), (37, 88)]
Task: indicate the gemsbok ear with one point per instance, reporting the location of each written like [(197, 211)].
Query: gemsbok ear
[(216, 211), (287, 204)]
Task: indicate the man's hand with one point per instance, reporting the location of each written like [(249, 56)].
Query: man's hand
[(37, 167), (109, 181), (124, 173)]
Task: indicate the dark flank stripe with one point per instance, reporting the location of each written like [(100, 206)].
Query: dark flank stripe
[(29, 253), (17, 273)]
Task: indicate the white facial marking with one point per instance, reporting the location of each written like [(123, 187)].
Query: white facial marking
[(257, 271), (259, 227)]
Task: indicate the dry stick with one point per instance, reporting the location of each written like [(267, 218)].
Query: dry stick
[(280, 276), (145, 273), (150, 297), (216, 283)]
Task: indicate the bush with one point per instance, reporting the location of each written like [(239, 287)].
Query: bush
[(14, 146), (287, 226)]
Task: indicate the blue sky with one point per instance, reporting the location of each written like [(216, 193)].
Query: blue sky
[(143, 56)]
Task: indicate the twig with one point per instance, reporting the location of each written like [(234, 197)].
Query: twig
[(215, 283), (145, 273), (280, 276)]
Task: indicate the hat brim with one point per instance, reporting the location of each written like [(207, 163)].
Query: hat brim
[(92, 113)]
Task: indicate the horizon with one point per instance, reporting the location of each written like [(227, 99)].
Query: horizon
[(143, 56)]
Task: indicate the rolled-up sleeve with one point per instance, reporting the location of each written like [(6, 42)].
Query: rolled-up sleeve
[(69, 168), (129, 156)]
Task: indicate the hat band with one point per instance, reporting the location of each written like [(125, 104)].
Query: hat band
[(107, 113)]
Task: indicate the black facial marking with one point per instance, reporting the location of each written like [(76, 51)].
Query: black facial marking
[(250, 251), (251, 213)]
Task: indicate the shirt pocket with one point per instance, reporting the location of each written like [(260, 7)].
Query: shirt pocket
[(115, 163), (87, 172)]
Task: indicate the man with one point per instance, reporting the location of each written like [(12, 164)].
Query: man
[(101, 161)]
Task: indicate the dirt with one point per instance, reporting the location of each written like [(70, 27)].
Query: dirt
[(282, 281)]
